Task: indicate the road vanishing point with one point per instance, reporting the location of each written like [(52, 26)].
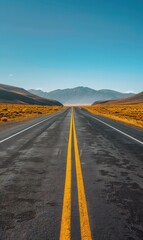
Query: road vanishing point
[(71, 176)]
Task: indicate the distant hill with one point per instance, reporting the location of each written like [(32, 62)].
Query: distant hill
[(80, 95), (11, 94), (137, 98)]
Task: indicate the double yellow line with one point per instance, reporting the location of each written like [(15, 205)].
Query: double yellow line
[(65, 232)]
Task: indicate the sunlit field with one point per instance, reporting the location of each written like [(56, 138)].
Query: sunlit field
[(128, 113), (17, 112)]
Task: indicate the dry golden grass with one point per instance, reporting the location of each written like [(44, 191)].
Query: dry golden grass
[(17, 112), (128, 113)]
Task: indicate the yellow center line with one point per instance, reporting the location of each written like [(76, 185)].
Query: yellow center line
[(83, 212), (65, 231)]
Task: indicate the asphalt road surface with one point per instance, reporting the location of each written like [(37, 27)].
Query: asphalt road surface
[(71, 175)]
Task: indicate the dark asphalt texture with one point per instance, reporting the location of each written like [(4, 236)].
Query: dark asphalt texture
[(32, 178)]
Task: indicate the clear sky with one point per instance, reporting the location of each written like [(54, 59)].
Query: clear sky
[(52, 44)]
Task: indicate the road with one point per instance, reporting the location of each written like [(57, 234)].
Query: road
[(71, 175)]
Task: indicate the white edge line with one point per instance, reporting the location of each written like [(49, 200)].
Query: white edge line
[(127, 135), (24, 130)]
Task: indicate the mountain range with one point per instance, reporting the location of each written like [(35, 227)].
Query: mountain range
[(80, 95), (11, 94), (137, 98)]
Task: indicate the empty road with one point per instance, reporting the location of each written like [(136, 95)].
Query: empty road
[(71, 175)]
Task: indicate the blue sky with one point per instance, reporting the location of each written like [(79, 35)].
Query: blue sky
[(50, 44)]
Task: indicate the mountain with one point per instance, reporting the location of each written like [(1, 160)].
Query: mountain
[(137, 98), (80, 95), (11, 94)]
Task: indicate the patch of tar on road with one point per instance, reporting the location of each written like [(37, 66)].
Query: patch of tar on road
[(25, 216)]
